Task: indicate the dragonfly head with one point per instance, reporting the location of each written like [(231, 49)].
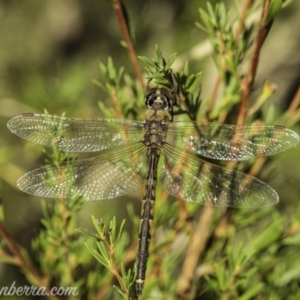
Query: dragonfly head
[(159, 98)]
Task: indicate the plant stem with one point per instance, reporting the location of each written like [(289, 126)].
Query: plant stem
[(247, 83), (19, 259), (194, 252), (125, 32)]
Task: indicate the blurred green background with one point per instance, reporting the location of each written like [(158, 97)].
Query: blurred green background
[(49, 53)]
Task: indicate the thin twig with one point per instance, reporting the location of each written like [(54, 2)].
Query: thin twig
[(247, 83), (117, 107), (292, 114), (214, 93), (18, 256), (294, 104), (243, 15), (125, 32), (18, 259), (113, 263), (194, 252)]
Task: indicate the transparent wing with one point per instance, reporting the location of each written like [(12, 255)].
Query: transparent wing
[(76, 134), (110, 175), (185, 176), (229, 142)]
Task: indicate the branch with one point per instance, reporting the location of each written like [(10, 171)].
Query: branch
[(238, 31), (194, 252), (241, 21), (126, 36), (247, 83), (18, 259)]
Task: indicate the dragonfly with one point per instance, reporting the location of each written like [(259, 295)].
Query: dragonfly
[(137, 155)]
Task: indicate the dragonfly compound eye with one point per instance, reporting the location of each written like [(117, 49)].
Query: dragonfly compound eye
[(158, 98)]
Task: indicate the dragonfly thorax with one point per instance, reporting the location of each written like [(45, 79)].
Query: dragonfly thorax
[(155, 133)]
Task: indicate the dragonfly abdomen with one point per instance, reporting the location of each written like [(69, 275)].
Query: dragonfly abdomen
[(146, 219)]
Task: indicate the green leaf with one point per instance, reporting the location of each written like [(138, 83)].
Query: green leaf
[(85, 232), (193, 82), (212, 15), (1, 213), (103, 252), (97, 255), (200, 26), (292, 274), (103, 68), (112, 231), (100, 228), (205, 19), (111, 69), (252, 291), (120, 232), (222, 15), (120, 75), (171, 60), (190, 80), (274, 9), (148, 61), (185, 71), (268, 235), (292, 240), (159, 57), (123, 44), (118, 290)]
